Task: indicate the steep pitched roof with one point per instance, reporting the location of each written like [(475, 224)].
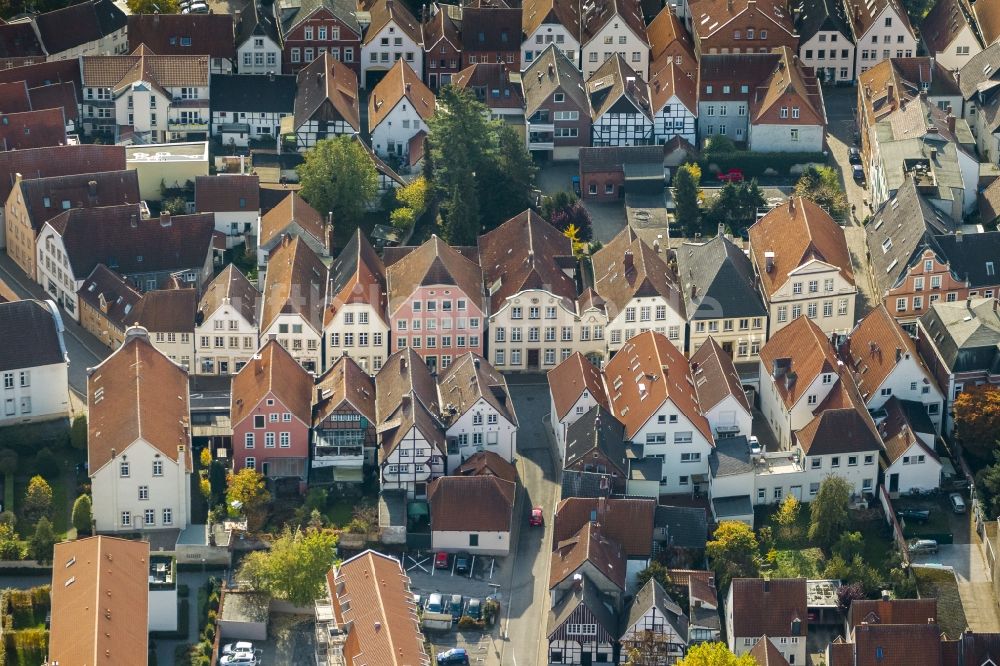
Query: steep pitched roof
[(715, 377), (384, 11), (32, 334), (646, 372), (256, 21), (401, 82), (441, 26), (552, 72), (63, 29), (290, 13), (718, 280), (789, 80), (526, 252), (894, 611), (863, 15), (168, 71), (487, 463), (597, 431), (797, 232), (100, 601), (62, 95), (842, 429), (344, 380), (137, 393), (19, 40), (669, 81), (664, 30), (471, 504), (626, 268), (966, 335), (569, 379), (564, 12), (583, 600), (486, 77), (434, 262), (807, 349), (33, 129), (119, 237), (231, 287), (357, 276), (613, 82), (599, 15), (896, 644), (57, 161), (628, 522), (973, 259), (711, 16), (167, 310), (371, 593), (184, 34), (987, 13), (943, 24), (294, 284), (327, 90), (406, 397), (110, 294), (44, 198), (875, 347), (652, 595), (899, 431), (252, 93), (815, 15), (227, 193), (272, 372), (490, 27), (771, 607), (588, 545), (469, 379), (292, 212), (766, 654)]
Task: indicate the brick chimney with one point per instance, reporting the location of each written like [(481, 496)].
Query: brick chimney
[(628, 261)]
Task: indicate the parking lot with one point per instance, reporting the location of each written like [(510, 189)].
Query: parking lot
[(291, 640)]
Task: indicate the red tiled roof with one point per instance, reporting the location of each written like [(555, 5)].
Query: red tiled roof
[(471, 504), (875, 347), (32, 129), (588, 545), (768, 607), (227, 194), (628, 522), (569, 379), (272, 372), (810, 352), (183, 34)]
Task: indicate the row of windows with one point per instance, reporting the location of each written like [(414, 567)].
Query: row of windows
[(284, 440), (672, 333), (460, 323), (148, 518), (534, 333), (308, 55), (741, 110), (852, 461), (257, 59), (812, 310), (125, 471), (383, 56), (259, 419), (24, 379), (821, 53), (779, 493), (886, 54), (362, 338), (431, 341), (517, 356), (206, 342), (727, 325), (950, 297)]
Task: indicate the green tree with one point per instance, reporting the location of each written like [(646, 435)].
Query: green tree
[(505, 178), (736, 205), (686, 208), (247, 493), (787, 517), (338, 176), (42, 541), (848, 545), (37, 499), (78, 432), (822, 185), (295, 567), (153, 6), (8, 461), (853, 570), (205, 457), (174, 206), (415, 198), (82, 514), (714, 654), (656, 570), (217, 480), (733, 551), (10, 546), (829, 511), (977, 420), (718, 145)]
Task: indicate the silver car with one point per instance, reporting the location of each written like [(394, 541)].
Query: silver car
[(923, 546)]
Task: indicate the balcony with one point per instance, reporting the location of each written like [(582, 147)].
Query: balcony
[(327, 452), (540, 139), (188, 125)]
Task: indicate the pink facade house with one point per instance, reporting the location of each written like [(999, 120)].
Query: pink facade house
[(271, 413), (437, 304)]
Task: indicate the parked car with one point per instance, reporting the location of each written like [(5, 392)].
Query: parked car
[(239, 646), (536, 519), (453, 656), (858, 173), (474, 609), (854, 155), (455, 607), (923, 546), (914, 515), (435, 604), (463, 563), (957, 503), (441, 561), (754, 444), (241, 658)]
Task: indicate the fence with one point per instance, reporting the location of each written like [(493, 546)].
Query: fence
[(897, 529)]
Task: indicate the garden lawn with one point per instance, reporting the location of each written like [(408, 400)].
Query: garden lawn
[(796, 563), (340, 513), (941, 583)]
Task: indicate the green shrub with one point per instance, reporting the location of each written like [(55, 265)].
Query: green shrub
[(78, 433), (754, 164), (46, 463), (183, 591)]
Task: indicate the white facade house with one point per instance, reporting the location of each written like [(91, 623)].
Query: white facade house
[(472, 514), (480, 411), (825, 41), (614, 28), (653, 612), (412, 464), (909, 459), (882, 30), (393, 35), (248, 106), (258, 46), (33, 363), (225, 333), (399, 107), (138, 440), (720, 393), (674, 101), (948, 34), (234, 201), (539, 38), (96, 27), (575, 386)]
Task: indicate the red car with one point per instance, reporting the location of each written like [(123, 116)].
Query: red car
[(441, 561), (732, 176), (536, 519)]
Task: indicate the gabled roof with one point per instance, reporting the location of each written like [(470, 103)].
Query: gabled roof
[(256, 21), (568, 381), (613, 82), (668, 81), (371, 594), (167, 310), (802, 344), (62, 95), (944, 23), (383, 12), (526, 252), (601, 14), (272, 372), (789, 80), (966, 335), (628, 522), (327, 90), (896, 645), (33, 129), (552, 72), (987, 13), (588, 545), (844, 428), (685, 526), (627, 268), (232, 288), (401, 82), (974, 259), (664, 30), (227, 193), (121, 238), (433, 263), (892, 611), (137, 393), (485, 78), (406, 397), (563, 12), (57, 161), (816, 15), (252, 93), (771, 607), (294, 284), (597, 431), (290, 13), (45, 198), (293, 215), (718, 280), (19, 40), (646, 372), (100, 601), (32, 334), (765, 653), (485, 463), (345, 380), (14, 97), (652, 595), (167, 71), (63, 29), (441, 26), (875, 347), (471, 504), (715, 377), (797, 232), (583, 601), (862, 16), (491, 28), (735, 70), (900, 433), (110, 294), (469, 379), (357, 276), (44, 73), (712, 16), (184, 34)]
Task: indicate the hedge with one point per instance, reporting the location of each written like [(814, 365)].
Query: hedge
[(754, 164)]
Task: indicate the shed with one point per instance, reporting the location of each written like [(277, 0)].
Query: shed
[(243, 615)]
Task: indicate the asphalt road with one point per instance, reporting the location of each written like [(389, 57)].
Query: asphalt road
[(84, 350), (527, 608)]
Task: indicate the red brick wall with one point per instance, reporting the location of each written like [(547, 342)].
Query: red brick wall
[(296, 39), (601, 179)]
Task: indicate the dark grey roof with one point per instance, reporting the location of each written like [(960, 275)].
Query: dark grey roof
[(728, 507), (901, 229), (816, 15), (916, 416), (252, 93), (596, 430), (256, 21), (291, 12), (539, 84), (703, 616), (686, 526), (730, 456), (982, 67), (645, 469), (966, 335), (585, 484), (973, 257), (32, 335), (613, 158), (718, 281), (586, 595), (652, 595)]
